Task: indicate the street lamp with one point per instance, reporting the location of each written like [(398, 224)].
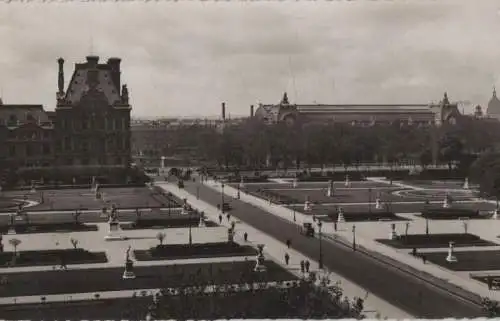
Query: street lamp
[(169, 195), (294, 217), (370, 200), (222, 198), (354, 237), (190, 236), (198, 191), (320, 263)]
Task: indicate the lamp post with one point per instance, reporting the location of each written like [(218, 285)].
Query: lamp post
[(370, 200), (198, 191), (294, 217), (169, 204), (354, 237), (320, 263), (190, 236), (222, 198), (426, 226)]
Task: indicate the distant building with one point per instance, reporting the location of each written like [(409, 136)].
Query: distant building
[(360, 115), (493, 110)]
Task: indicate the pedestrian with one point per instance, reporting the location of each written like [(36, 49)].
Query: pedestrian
[(245, 236), (228, 216), (288, 243), (220, 218), (302, 266), (414, 251), (63, 262), (424, 258), (233, 225), (490, 282), (287, 258), (307, 265)]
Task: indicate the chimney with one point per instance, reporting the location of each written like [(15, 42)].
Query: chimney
[(60, 82), (251, 110), (223, 111), (92, 61), (114, 66)]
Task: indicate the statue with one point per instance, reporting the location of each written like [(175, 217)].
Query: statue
[(129, 265), (125, 94)]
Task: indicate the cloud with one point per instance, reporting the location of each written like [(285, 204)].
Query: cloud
[(186, 57)]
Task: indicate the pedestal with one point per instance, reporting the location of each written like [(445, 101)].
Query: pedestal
[(466, 183), (129, 270), (11, 230), (329, 193), (378, 205), (495, 214), (340, 218), (114, 232), (295, 183), (307, 206), (202, 222), (347, 182), (259, 260), (451, 258)]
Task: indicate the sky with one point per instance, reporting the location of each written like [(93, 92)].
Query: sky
[(185, 58)]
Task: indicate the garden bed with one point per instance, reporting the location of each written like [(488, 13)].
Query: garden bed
[(451, 213), (147, 277), (50, 228), (197, 250), (435, 241), (467, 260), (165, 223), (366, 216), (254, 304), (51, 257)]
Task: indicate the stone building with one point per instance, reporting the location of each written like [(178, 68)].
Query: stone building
[(87, 135), (493, 110), (92, 123), (360, 115)]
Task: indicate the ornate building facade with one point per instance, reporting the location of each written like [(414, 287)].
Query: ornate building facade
[(360, 115), (92, 122), (88, 134)]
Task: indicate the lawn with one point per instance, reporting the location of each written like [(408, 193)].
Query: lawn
[(110, 279), (51, 257), (436, 241), (467, 260), (197, 250)]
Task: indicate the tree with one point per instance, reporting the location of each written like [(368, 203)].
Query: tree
[(74, 242), (15, 243), (161, 237)]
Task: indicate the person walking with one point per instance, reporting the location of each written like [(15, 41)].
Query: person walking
[(228, 216), (335, 226), (288, 243), (287, 258), (307, 265), (302, 267), (424, 258), (245, 236), (220, 219)]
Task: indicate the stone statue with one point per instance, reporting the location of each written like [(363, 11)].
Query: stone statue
[(125, 94), (127, 254)]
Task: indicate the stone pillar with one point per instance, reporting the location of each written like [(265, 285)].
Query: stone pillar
[(129, 266), (295, 183), (242, 183), (341, 218), (451, 255), (378, 204)]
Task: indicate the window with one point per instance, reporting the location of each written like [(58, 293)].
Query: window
[(12, 150)]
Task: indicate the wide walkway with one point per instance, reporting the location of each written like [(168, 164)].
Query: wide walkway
[(276, 248)]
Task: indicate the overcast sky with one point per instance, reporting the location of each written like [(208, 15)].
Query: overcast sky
[(186, 58)]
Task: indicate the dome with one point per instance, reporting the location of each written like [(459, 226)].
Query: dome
[(494, 105)]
